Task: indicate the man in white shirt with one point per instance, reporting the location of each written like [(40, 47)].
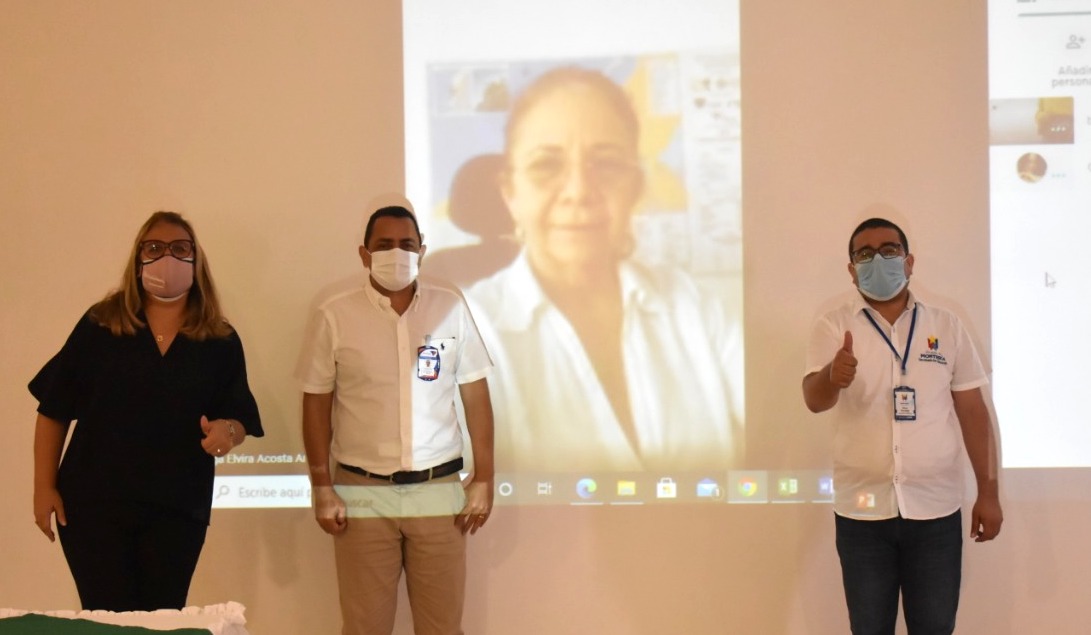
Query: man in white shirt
[(380, 370), (903, 382)]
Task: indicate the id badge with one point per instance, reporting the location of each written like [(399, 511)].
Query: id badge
[(428, 363), (905, 403)]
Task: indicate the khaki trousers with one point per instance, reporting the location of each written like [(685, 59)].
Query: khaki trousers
[(392, 528)]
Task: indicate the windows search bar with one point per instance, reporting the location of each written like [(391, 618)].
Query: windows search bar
[(261, 491)]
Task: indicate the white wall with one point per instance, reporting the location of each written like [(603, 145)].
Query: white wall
[(271, 124)]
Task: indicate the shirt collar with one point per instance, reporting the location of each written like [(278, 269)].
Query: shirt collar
[(524, 301), (383, 302), (859, 303)]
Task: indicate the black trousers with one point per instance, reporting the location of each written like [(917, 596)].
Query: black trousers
[(131, 556)]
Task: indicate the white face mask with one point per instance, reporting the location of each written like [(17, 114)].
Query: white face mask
[(394, 269), (167, 278)]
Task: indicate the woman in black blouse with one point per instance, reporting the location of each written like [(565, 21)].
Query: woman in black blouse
[(155, 378)]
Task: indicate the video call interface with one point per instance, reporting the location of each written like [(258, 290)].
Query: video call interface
[(662, 182), (1040, 171), (524, 157)]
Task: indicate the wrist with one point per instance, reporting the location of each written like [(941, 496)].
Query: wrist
[(989, 488), (323, 491), (320, 476)]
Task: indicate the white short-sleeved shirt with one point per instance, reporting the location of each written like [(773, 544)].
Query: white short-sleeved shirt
[(394, 377), (683, 369), (883, 466)]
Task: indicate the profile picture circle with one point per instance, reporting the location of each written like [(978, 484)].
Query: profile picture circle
[(1031, 167)]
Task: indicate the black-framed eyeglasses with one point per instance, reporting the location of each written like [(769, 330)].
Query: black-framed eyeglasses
[(151, 250), (886, 250)]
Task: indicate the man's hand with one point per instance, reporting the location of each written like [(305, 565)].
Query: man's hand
[(46, 503), (985, 519), (330, 511), (478, 506), (843, 366)]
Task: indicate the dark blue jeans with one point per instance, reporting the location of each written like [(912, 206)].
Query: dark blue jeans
[(922, 559)]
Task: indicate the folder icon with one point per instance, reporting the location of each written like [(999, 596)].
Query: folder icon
[(626, 488)]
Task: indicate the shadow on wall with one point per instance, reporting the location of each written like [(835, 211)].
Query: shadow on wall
[(476, 208)]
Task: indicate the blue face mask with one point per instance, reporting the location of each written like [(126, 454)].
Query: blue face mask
[(882, 278)]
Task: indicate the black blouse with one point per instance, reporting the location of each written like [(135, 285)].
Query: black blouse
[(138, 413)]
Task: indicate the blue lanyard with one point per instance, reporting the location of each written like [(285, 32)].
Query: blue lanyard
[(912, 327)]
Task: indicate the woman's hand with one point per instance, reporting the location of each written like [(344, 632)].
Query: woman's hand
[(220, 435), (49, 436), (47, 501)]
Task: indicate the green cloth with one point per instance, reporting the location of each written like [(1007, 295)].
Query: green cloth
[(33, 624)]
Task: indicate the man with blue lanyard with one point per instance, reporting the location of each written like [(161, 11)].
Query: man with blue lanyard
[(903, 383)]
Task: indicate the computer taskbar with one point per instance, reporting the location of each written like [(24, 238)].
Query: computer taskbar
[(644, 488), (742, 487)]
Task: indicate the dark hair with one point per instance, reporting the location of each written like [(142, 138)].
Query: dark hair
[(392, 211), (874, 223), (565, 77)]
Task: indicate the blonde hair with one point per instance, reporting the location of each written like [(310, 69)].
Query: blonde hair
[(119, 310)]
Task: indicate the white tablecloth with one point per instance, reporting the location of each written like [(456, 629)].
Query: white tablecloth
[(220, 619)]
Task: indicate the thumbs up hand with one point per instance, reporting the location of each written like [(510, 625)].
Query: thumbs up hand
[(843, 366)]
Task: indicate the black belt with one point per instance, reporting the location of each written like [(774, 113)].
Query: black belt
[(405, 478)]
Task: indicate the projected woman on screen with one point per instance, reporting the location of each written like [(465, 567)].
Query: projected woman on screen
[(155, 379), (602, 363)]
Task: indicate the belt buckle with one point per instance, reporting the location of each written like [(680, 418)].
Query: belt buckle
[(408, 477)]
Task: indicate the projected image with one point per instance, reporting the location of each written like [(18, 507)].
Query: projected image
[(1040, 175), (1046, 120), (602, 255), (1031, 167)]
